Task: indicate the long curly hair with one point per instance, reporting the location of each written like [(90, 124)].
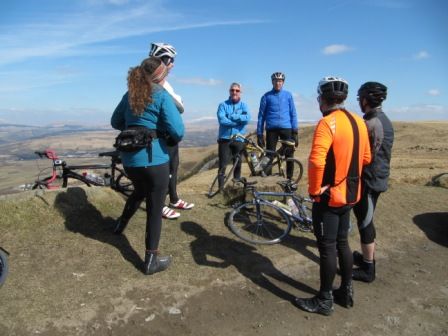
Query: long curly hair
[(140, 78)]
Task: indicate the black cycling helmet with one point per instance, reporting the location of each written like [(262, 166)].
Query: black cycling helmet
[(278, 75), (333, 88), (375, 93)]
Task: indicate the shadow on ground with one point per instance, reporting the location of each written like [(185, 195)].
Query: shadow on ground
[(434, 225), (243, 257), (83, 217)]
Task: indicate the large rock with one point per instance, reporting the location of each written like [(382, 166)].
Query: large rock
[(440, 180)]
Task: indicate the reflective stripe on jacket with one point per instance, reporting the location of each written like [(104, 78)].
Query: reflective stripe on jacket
[(331, 154)]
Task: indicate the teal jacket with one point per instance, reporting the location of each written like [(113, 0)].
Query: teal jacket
[(161, 115)]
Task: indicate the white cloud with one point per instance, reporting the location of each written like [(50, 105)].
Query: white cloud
[(334, 49), (419, 112), (434, 92), (199, 81), (421, 55), (65, 34)]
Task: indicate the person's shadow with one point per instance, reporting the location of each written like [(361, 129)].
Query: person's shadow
[(434, 225), (84, 218), (299, 244), (249, 263)]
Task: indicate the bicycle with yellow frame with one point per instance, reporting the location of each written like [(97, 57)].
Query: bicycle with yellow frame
[(262, 162)]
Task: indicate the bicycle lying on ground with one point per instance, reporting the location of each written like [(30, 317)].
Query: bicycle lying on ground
[(265, 221), (3, 266), (262, 162), (112, 175)]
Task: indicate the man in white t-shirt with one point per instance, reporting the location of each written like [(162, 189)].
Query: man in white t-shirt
[(167, 53)]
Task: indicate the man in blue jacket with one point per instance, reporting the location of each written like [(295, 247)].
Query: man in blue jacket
[(278, 113), (233, 116)]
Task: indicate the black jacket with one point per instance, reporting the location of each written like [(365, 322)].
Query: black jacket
[(381, 135)]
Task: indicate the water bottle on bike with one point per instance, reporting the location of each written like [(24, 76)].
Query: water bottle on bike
[(292, 205), (94, 178), (255, 162)]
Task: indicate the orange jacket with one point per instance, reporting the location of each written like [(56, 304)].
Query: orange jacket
[(330, 158)]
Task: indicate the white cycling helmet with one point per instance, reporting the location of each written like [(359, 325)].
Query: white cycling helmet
[(333, 87), (160, 50), (278, 75)]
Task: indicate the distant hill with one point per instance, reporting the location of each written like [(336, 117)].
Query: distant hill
[(10, 133)]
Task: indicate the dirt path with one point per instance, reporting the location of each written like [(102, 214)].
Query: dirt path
[(71, 276)]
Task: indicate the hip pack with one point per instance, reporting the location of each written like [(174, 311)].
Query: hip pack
[(134, 138)]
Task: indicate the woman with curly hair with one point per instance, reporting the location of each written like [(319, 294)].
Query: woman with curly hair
[(149, 106)]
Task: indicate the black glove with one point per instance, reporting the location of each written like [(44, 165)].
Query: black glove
[(260, 140), (295, 135)]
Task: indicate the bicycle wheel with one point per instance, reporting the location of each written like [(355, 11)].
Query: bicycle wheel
[(214, 187), (124, 184), (259, 222), (297, 169), (3, 266)]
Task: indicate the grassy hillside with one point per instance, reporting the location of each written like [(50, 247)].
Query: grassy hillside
[(420, 152), (69, 275)]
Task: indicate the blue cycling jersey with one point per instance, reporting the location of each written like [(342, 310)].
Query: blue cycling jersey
[(277, 110)]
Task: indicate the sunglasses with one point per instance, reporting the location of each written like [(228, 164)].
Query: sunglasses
[(234, 90), (167, 60)]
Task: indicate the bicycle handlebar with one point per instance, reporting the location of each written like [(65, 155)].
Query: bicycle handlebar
[(288, 185), (48, 153), (247, 141)]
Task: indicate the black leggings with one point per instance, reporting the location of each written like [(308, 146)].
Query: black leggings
[(364, 211), (331, 226), (272, 137), (228, 150), (150, 183), (173, 152)]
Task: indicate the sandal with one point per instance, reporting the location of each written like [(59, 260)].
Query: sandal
[(180, 204), (169, 213)]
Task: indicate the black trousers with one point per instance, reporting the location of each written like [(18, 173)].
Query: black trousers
[(150, 183), (227, 150), (331, 227), (272, 137), (173, 152)]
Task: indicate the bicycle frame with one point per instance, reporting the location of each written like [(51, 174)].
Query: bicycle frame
[(274, 156), (70, 172), (298, 201)]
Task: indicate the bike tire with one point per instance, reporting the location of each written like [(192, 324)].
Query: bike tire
[(3, 267), (124, 184), (259, 222), (214, 187), (297, 171)]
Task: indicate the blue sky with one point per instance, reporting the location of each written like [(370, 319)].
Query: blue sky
[(66, 61)]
